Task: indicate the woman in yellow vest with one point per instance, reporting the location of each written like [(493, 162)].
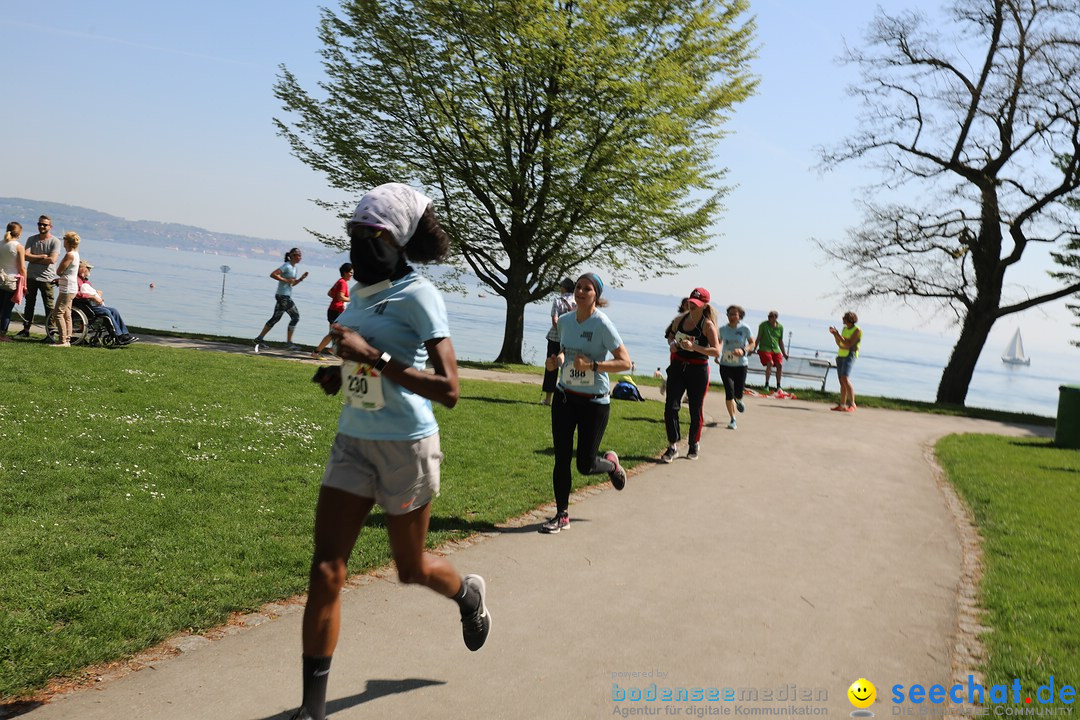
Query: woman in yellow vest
[(847, 339)]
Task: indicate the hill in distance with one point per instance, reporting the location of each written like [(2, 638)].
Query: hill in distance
[(94, 225)]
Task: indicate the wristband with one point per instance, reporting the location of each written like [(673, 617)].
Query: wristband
[(595, 365), (381, 362)]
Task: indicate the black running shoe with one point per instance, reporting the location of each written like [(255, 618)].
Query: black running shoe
[(669, 454), (618, 475), (556, 524), (24, 333), (477, 625), (301, 714), (693, 454)]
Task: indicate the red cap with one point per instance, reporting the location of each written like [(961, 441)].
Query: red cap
[(699, 297)]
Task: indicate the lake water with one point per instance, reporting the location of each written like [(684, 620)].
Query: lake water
[(187, 296)]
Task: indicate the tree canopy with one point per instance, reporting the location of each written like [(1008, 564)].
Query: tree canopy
[(1069, 260), (982, 115), (555, 137)]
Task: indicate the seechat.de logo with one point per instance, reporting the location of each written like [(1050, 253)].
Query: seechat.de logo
[(975, 694)]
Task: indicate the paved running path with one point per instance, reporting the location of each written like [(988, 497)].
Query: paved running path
[(807, 548)]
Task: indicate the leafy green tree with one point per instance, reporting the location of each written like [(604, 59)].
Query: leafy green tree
[(555, 136), (977, 113), (1070, 261)]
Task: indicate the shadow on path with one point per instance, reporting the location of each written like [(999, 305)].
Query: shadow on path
[(375, 690)]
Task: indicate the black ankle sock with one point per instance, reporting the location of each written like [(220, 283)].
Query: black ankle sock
[(467, 599), (316, 675)]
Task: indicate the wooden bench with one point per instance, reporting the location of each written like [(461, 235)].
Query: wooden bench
[(799, 368)]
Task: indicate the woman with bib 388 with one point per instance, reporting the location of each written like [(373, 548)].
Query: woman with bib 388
[(387, 446), (581, 402)]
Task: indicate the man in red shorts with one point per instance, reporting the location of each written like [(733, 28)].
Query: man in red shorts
[(771, 350)]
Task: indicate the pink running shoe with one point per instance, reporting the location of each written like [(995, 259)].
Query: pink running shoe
[(618, 475)]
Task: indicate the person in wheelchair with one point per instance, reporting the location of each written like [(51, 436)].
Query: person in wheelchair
[(94, 301)]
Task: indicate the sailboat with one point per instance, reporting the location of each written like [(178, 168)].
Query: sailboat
[(1014, 351)]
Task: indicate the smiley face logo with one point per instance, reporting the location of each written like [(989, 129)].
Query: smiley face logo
[(862, 693)]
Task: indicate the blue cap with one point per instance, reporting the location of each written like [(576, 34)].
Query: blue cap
[(596, 281)]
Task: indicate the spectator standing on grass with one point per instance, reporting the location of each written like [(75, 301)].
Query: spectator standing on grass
[(847, 340), (694, 339), (387, 446), (581, 403), (96, 301), (286, 277), (67, 282), (12, 272), (42, 253), (737, 342), (771, 350), (339, 298), (563, 304)]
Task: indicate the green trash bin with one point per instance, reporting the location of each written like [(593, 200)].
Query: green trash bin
[(1067, 433)]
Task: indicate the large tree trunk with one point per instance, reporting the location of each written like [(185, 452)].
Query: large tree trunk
[(956, 379), (514, 329)]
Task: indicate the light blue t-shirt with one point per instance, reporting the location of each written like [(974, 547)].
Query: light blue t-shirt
[(398, 320), (288, 270), (594, 338), (731, 339)]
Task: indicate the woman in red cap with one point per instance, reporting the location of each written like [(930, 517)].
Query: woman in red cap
[(693, 340)]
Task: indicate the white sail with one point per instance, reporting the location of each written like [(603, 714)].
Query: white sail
[(1014, 351)]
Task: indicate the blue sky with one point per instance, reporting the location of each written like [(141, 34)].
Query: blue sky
[(162, 111)]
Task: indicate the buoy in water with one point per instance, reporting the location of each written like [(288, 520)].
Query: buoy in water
[(151, 286)]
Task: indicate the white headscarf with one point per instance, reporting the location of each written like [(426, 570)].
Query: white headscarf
[(394, 207)]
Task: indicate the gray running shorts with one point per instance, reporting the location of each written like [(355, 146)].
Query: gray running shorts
[(400, 475)]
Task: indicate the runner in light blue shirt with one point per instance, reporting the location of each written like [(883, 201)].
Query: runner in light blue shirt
[(387, 447), (586, 336), (592, 338), (736, 344), (286, 277), (399, 318), (287, 273)]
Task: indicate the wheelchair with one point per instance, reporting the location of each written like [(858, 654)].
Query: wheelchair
[(88, 328)]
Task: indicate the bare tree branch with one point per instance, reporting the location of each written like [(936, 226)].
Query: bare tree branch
[(996, 150)]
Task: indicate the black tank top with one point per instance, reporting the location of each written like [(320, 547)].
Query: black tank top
[(697, 334)]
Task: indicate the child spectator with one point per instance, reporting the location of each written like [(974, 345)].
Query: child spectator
[(339, 298)]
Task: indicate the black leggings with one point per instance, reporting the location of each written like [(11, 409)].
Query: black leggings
[(590, 419), (734, 377), (694, 381)]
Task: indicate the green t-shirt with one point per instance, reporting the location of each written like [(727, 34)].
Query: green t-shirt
[(769, 337)]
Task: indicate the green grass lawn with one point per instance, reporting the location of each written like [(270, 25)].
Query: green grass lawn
[(1024, 494), (150, 490)]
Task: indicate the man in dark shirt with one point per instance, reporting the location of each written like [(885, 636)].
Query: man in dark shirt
[(42, 252)]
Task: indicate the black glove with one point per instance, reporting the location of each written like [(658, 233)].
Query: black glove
[(329, 378)]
